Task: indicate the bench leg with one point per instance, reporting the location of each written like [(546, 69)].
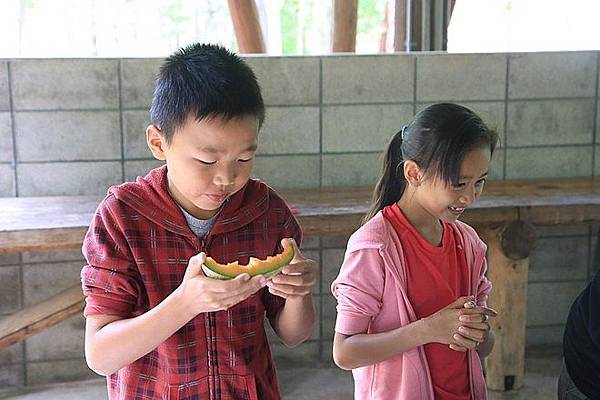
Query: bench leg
[(505, 366)]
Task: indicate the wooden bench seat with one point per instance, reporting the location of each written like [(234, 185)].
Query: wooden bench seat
[(504, 217)]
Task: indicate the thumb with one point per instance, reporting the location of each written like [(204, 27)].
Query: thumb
[(194, 267), (462, 302), (297, 254)]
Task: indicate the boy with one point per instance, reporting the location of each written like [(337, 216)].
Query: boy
[(155, 325)]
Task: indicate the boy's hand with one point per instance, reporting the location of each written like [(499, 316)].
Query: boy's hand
[(444, 325), (296, 279), (202, 294)]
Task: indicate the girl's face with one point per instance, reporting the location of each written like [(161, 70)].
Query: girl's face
[(447, 201)]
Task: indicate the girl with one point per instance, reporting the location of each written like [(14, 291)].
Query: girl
[(412, 316)]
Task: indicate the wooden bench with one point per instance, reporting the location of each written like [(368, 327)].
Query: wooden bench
[(504, 217)]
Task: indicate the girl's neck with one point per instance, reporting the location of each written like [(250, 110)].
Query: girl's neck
[(426, 224)]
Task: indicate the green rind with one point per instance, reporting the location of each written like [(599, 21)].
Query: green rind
[(213, 270)]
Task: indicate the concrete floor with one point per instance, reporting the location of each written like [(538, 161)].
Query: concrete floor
[(318, 384)]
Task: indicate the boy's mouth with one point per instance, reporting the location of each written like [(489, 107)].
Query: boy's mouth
[(217, 197)]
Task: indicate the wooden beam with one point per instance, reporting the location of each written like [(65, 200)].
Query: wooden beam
[(31, 320), (345, 14), (246, 24)]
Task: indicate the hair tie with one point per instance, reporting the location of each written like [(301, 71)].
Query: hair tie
[(403, 132)]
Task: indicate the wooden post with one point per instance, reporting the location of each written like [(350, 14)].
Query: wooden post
[(246, 25), (400, 25), (344, 26), (508, 251)]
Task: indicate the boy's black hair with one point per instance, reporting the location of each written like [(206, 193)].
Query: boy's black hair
[(206, 81), (437, 140)]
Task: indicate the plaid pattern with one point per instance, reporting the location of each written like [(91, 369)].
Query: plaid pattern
[(137, 248)]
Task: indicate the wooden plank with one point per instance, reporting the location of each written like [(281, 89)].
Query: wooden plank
[(34, 319), (52, 239), (47, 223), (246, 24), (344, 26)]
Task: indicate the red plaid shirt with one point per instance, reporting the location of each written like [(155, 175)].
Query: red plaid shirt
[(138, 247)]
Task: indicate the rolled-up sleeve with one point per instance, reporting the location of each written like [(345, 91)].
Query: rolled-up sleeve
[(110, 280), (358, 290), (484, 287)]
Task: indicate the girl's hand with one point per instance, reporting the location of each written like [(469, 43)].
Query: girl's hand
[(474, 329), (297, 279), (444, 325)]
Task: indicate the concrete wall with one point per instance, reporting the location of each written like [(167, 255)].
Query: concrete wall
[(77, 126)]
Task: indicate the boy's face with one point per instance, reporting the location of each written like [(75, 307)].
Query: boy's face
[(207, 161)]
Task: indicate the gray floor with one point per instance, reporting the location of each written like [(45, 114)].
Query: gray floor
[(319, 384)]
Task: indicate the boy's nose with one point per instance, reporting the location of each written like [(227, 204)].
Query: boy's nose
[(225, 178)]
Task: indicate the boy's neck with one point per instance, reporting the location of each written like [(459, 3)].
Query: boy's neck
[(427, 225)]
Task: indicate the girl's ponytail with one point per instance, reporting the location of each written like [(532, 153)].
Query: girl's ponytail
[(391, 184)]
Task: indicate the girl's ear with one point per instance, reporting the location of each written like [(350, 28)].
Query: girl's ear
[(412, 173)]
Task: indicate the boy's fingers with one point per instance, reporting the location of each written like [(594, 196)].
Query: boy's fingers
[(297, 254), (194, 267), (299, 268)]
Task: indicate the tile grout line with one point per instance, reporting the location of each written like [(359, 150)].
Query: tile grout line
[(12, 128), (321, 347), (414, 100), (320, 121), (505, 147), (595, 121), (122, 134), (23, 344)]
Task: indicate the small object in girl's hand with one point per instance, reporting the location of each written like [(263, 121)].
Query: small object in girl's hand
[(470, 304)]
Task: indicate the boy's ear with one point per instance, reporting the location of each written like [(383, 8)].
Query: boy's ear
[(412, 173), (156, 142)]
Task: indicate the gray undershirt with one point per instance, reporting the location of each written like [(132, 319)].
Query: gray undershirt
[(199, 226)]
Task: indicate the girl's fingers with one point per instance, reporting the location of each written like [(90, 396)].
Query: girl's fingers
[(473, 334), (482, 326), (477, 317), (457, 348), (464, 341)]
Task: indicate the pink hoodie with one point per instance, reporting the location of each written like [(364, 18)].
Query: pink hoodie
[(372, 296)]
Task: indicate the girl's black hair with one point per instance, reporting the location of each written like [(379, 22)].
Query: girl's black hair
[(437, 140)]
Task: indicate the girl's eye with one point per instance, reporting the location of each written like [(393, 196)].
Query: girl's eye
[(246, 160), (480, 182), (458, 186), (207, 162)]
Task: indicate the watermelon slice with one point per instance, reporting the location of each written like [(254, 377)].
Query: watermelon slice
[(269, 267)]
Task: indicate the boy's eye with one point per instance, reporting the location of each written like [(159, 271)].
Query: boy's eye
[(245, 159), (480, 182), (458, 185), (206, 162)]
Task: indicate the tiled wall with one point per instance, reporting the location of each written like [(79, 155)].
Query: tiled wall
[(77, 126)]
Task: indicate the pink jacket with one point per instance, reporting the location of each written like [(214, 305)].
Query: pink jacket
[(372, 296)]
